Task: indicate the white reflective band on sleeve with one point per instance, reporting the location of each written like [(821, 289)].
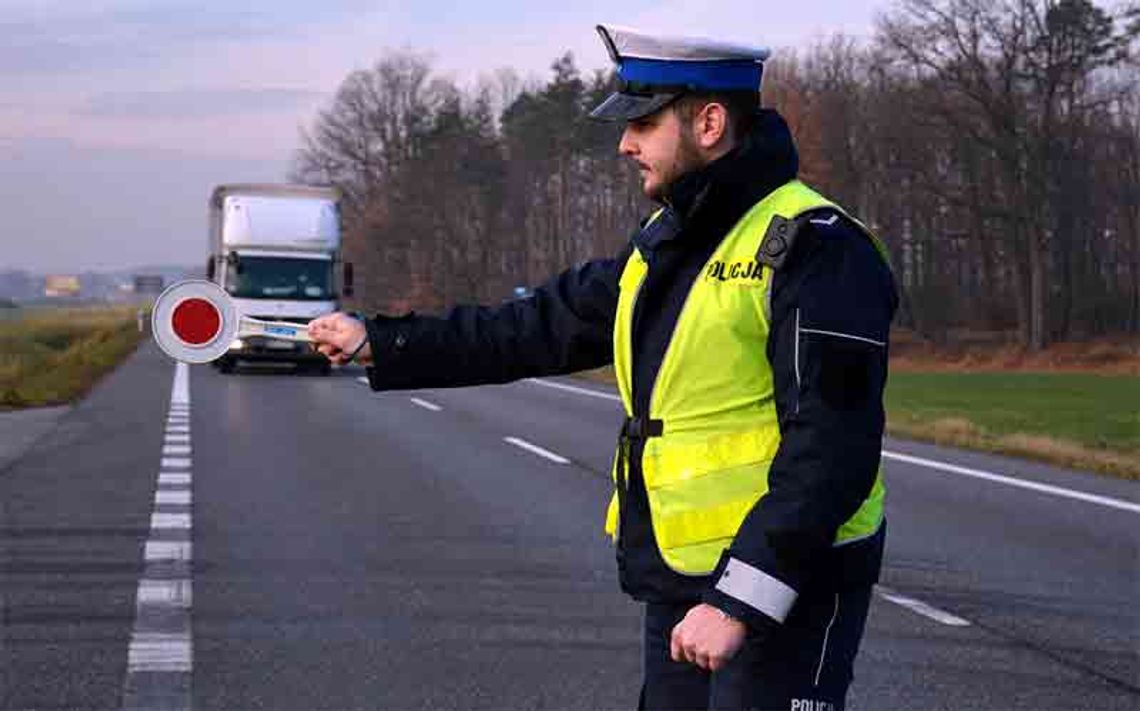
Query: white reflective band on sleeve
[(757, 589)]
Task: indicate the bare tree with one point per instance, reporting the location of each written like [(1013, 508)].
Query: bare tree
[(1015, 76), (993, 144)]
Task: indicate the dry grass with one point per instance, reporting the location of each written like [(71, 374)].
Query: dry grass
[(959, 432), (974, 352), (54, 356)]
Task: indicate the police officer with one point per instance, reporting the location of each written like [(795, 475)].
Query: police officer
[(747, 321)]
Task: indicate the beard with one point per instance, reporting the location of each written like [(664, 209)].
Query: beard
[(684, 161)]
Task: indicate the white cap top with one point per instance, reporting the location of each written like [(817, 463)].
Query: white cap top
[(622, 42)]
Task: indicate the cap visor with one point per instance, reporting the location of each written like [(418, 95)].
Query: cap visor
[(628, 107)]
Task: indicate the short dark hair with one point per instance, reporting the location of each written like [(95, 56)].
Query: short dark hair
[(742, 107)]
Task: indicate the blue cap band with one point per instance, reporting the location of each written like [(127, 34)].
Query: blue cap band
[(719, 75)]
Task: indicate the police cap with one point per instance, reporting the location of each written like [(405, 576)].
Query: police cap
[(655, 70)]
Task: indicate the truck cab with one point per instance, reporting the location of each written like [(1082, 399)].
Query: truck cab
[(275, 249)]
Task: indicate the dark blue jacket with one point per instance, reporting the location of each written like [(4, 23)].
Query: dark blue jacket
[(833, 299)]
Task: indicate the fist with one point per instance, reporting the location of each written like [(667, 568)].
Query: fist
[(338, 335), (707, 637)]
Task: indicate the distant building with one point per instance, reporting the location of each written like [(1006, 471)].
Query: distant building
[(57, 286), (147, 284)]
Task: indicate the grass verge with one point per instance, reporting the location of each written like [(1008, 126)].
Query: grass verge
[(54, 356), (1078, 420)]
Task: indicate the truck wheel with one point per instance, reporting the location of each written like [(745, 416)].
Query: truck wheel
[(225, 365)]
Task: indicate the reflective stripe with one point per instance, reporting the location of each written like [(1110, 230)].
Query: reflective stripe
[(796, 358), (838, 334), (757, 589), (826, 636)]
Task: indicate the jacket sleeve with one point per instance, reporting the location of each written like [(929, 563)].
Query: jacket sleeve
[(832, 304), (564, 326)]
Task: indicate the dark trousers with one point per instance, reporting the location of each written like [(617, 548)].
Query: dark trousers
[(804, 665)]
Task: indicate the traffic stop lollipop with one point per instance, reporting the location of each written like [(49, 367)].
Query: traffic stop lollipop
[(195, 321)]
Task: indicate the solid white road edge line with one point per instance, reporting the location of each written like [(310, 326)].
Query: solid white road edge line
[(425, 404), (1011, 481), (931, 463), (535, 449), (572, 389), (920, 607)]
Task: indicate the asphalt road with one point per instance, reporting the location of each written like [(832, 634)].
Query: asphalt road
[(354, 550)]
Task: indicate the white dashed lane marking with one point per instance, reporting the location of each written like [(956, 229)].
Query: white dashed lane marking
[(535, 449), (177, 521), (160, 656), (167, 496), (169, 593), (426, 405), (159, 652), (922, 608), (167, 550), (173, 478)]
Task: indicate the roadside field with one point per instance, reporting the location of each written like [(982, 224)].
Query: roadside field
[(1074, 419), (50, 356)]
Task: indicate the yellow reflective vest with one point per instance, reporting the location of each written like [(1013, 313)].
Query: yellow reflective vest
[(707, 466)]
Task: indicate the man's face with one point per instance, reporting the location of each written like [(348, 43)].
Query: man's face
[(663, 147)]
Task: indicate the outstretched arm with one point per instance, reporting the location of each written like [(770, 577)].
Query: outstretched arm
[(566, 325)]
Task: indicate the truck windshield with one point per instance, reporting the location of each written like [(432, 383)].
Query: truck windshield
[(280, 278)]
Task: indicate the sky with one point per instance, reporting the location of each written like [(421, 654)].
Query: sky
[(118, 116)]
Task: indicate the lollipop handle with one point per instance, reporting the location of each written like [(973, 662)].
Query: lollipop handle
[(282, 330)]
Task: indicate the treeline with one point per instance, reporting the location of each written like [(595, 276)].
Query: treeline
[(994, 145)]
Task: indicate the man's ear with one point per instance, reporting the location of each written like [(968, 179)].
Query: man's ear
[(711, 125)]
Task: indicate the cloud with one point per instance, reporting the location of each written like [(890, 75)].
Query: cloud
[(196, 103)]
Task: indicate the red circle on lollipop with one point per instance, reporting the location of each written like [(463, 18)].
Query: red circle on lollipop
[(196, 321)]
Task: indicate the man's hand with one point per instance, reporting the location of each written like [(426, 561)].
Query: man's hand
[(707, 637), (338, 335)]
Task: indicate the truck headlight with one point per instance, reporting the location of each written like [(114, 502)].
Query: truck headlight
[(237, 345)]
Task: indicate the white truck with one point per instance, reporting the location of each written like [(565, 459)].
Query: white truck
[(276, 250)]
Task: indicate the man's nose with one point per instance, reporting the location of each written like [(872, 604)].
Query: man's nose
[(627, 146)]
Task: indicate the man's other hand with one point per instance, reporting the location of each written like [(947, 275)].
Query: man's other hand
[(338, 335), (707, 637)]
